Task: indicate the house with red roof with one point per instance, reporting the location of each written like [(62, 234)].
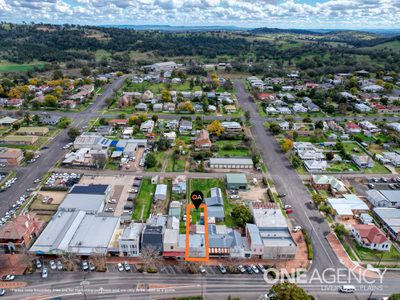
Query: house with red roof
[(20, 231), (119, 122), (203, 141), (266, 97), (371, 237), (352, 127)]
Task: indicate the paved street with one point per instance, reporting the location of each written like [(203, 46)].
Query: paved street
[(287, 181), (26, 175), (124, 285)]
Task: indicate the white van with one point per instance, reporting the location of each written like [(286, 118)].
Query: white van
[(347, 289)]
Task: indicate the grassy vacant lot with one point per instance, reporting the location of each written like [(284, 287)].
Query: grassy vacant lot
[(373, 255), (232, 149), (12, 67), (176, 165), (160, 156), (144, 200)]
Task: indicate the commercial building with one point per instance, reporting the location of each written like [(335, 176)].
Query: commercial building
[(231, 163), (328, 183), (274, 233), (384, 198), (390, 219), (11, 157), (129, 241), (236, 182), (76, 232), (33, 131), (153, 236), (92, 140), (347, 206)]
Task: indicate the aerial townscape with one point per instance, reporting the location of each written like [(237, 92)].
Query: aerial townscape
[(198, 162)]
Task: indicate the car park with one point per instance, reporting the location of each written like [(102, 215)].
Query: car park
[(222, 269), (45, 273)]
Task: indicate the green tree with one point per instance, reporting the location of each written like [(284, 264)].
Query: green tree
[(166, 96), (287, 291), (85, 71), (296, 162), (275, 128), (73, 133), (151, 161), (340, 230), (57, 74), (241, 215), (29, 155), (50, 101)]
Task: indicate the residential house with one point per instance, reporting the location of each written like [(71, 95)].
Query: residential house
[(141, 107), (368, 126), (392, 157), (158, 107), (352, 128), (147, 96), (285, 125), (179, 185), (19, 139), (171, 136), (394, 126), (172, 124), (185, 127), (315, 165), (215, 205), (118, 122), (147, 126), (363, 161), (299, 108), (230, 109), (7, 121), (169, 107), (18, 233), (231, 126), (328, 183), (50, 119), (373, 88), (370, 237), (284, 110), (271, 110), (311, 106), (363, 108), (202, 141), (33, 131), (125, 101), (175, 208)]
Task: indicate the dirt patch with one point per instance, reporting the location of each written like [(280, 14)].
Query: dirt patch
[(254, 193)]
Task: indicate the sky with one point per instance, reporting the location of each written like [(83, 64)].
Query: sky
[(317, 14)]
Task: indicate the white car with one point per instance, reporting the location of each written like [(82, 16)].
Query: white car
[(120, 267), (53, 265), (45, 273), (8, 277), (202, 269), (234, 197), (297, 228), (287, 206), (255, 269), (59, 265)]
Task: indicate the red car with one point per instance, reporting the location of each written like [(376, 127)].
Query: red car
[(289, 211)]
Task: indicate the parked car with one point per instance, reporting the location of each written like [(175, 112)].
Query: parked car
[(8, 277), (120, 267), (38, 263), (241, 269), (84, 265), (45, 273), (202, 269), (249, 270), (289, 211), (297, 228), (234, 197), (287, 206), (2, 292), (254, 268), (127, 267), (53, 265), (371, 186), (281, 195), (59, 265), (347, 289), (261, 268), (383, 179), (222, 269), (92, 267)]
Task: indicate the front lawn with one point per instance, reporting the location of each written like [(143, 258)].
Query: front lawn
[(234, 148), (157, 88), (144, 200), (372, 255)]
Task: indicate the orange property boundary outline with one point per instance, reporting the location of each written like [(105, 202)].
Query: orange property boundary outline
[(187, 257)]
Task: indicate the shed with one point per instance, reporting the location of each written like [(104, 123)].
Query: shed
[(236, 181), (161, 192)]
